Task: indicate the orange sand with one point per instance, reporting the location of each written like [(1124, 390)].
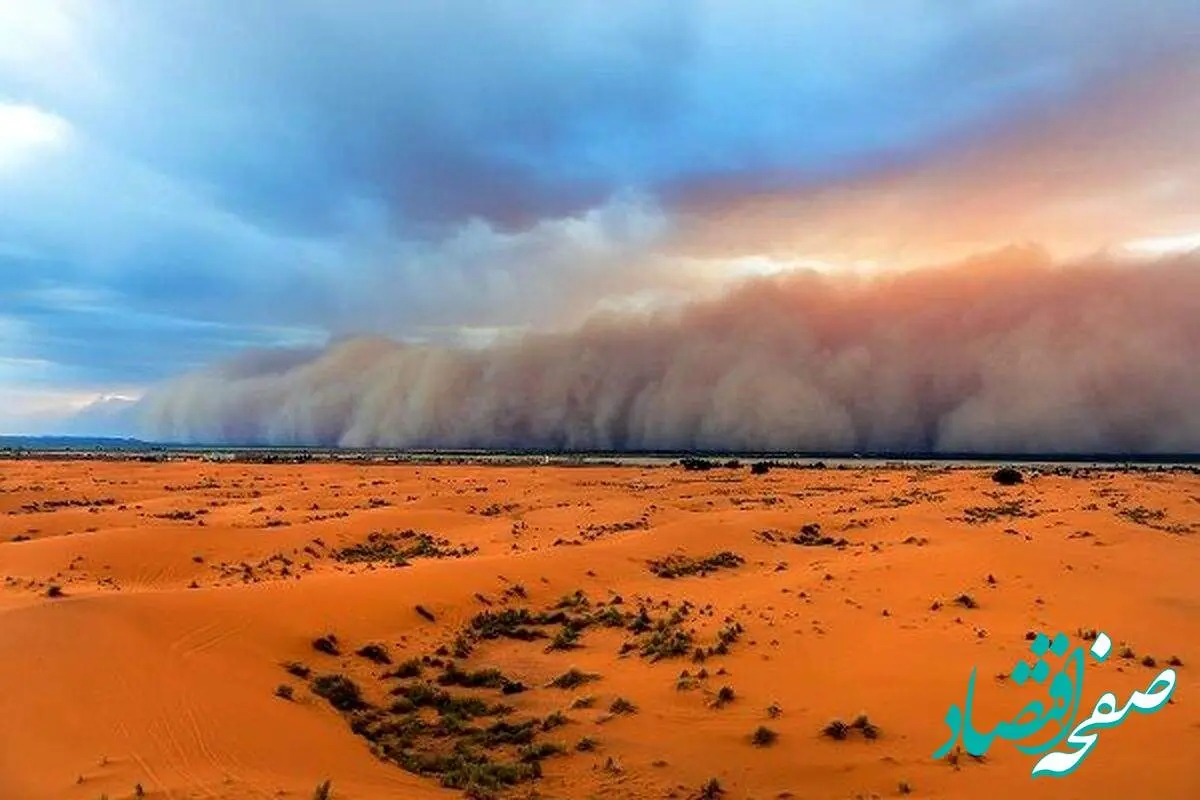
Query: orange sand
[(160, 663)]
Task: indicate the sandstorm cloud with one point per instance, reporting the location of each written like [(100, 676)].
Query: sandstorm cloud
[(1004, 353)]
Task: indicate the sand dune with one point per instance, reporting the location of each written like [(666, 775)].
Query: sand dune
[(186, 586)]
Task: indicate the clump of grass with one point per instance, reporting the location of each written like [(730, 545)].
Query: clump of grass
[(475, 774), (622, 706), (573, 679), (836, 730), (725, 696), (864, 725), (666, 641), (678, 566), (609, 617), (586, 701), (586, 745), (426, 613), (375, 652), (576, 601), (566, 639), (1148, 661), (480, 679), (1008, 476), (412, 668), (399, 548), (966, 601), (327, 644), (694, 464), (555, 719), (324, 791), (463, 646), (725, 637), (512, 623), (296, 668), (774, 711), (810, 536), (711, 790), (904, 788), (763, 737), (341, 692), (284, 691), (978, 515), (531, 753), (424, 695), (54, 590)]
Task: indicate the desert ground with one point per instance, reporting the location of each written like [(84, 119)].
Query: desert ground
[(189, 629)]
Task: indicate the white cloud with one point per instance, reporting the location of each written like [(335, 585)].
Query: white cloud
[(25, 131), (1163, 245)]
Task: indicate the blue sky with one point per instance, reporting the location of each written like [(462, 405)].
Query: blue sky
[(182, 181)]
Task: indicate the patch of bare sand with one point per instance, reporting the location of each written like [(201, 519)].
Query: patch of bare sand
[(186, 586)]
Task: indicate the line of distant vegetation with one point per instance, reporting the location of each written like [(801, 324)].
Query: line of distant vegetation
[(49, 446)]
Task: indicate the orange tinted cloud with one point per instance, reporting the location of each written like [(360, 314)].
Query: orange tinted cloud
[(1004, 353), (1117, 164)]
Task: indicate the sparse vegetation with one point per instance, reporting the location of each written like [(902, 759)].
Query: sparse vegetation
[(1008, 476), (555, 719), (399, 548), (678, 566), (327, 644), (836, 730), (622, 706), (966, 601), (412, 668), (1012, 509), (375, 652), (299, 670), (341, 692), (864, 725), (763, 737), (573, 679), (809, 536), (692, 464), (479, 679), (725, 695), (840, 731)]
